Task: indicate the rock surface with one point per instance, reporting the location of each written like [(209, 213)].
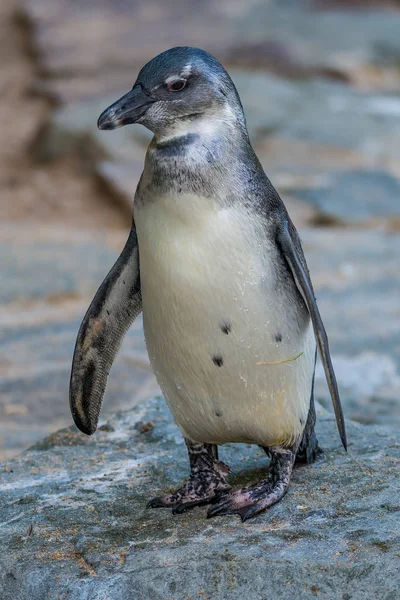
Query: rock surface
[(330, 148), (87, 47), (74, 524), (356, 196)]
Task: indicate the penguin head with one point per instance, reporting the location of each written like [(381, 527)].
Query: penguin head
[(176, 91)]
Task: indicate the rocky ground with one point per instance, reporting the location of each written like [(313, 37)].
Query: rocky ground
[(74, 524), (320, 83), (323, 113)]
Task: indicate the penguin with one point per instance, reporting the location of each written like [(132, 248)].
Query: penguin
[(216, 266)]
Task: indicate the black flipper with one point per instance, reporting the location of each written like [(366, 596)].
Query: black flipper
[(289, 243), (115, 306)]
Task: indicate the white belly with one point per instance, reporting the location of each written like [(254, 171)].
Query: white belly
[(213, 309)]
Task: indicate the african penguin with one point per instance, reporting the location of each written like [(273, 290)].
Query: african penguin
[(216, 265)]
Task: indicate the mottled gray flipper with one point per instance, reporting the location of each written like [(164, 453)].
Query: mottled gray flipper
[(290, 246), (115, 306)]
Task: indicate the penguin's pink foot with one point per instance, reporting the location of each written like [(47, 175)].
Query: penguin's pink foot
[(250, 501), (207, 479)]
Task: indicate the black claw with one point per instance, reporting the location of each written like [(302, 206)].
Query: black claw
[(157, 503), (179, 509), (249, 513), (218, 510), (223, 512), (185, 506), (244, 513), (211, 514)]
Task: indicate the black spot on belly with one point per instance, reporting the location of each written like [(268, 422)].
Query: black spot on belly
[(218, 413), (278, 337), (218, 360), (226, 327), (301, 422)]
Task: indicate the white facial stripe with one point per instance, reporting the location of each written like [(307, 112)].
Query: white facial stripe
[(187, 70), (172, 78)]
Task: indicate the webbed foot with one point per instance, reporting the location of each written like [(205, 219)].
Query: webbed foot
[(207, 479), (250, 501)]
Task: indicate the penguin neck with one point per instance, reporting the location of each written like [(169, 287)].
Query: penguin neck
[(202, 154), (212, 124)]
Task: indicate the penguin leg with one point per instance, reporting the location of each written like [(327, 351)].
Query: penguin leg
[(207, 478), (249, 501)]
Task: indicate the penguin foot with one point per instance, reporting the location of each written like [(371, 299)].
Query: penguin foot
[(250, 501), (247, 502), (207, 480), (199, 490)]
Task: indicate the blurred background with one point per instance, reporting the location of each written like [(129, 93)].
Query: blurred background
[(320, 84)]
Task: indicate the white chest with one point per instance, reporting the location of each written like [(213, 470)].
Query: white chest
[(212, 309), (201, 264)]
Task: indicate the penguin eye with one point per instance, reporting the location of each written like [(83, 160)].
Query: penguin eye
[(177, 85)]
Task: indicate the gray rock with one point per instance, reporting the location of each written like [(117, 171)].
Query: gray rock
[(356, 278), (282, 36), (74, 525), (72, 130), (369, 386), (356, 196), (43, 262), (337, 115)]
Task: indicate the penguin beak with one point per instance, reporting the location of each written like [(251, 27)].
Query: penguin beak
[(127, 109)]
